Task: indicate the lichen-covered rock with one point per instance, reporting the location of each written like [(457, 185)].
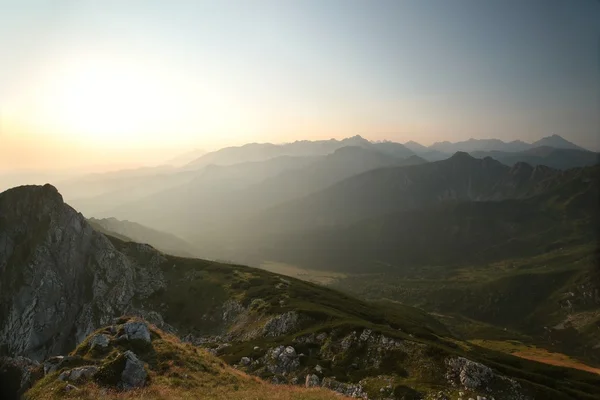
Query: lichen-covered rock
[(78, 374), (468, 374), (99, 342), (245, 361), (281, 324), (347, 389), (134, 374), (59, 279), (281, 360), (137, 330), (56, 363), (312, 381)]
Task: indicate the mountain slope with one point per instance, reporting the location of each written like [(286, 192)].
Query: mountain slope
[(60, 281), (163, 367), (479, 145), (131, 231), (383, 191), (415, 147), (460, 232), (556, 141), (548, 156), (204, 204)]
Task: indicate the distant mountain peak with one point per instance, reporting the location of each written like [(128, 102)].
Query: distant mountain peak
[(556, 141), (462, 155)]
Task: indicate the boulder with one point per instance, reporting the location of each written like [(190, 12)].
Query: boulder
[(78, 374), (312, 381), (99, 342), (245, 361), (134, 374), (137, 330)]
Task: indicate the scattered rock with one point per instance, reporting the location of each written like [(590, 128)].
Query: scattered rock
[(245, 361), (467, 373), (312, 381), (100, 342), (134, 374), (78, 374), (137, 330), (347, 389), (282, 324)]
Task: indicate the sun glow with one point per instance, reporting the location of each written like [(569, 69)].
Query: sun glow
[(107, 101)]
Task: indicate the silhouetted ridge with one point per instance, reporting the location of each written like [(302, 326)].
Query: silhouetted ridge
[(31, 196), (462, 155)]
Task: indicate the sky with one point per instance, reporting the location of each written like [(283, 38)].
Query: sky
[(126, 82)]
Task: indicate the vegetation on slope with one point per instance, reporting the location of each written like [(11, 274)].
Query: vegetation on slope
[(175, 370)]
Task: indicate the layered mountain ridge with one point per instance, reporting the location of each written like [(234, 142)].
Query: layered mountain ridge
[(61, 280)]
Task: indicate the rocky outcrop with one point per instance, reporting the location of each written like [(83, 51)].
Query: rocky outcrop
[(347, 389), (134, 374), (78, 374), (281, 324), (474, 377), (17, 375), (59, 279)]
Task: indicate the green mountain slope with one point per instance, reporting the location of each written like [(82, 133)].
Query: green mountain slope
[(564, 213), (276, 328)]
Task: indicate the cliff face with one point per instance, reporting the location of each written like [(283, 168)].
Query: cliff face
[(59, 279)]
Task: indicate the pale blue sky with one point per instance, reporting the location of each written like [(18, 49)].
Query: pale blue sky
[(228, 72)]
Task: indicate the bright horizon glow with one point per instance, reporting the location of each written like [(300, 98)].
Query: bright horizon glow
[(113, 83)]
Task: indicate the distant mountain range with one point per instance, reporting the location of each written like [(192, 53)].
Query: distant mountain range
[(544, 155), (468, 209), (475, 145), (134, 232), (264, 151)]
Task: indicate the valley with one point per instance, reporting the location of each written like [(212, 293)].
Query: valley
[(377, 275)]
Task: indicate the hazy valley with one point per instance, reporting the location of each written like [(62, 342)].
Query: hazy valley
[(475, 275)]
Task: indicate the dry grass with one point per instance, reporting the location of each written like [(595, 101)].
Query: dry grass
[(181, 371), (535, 354)]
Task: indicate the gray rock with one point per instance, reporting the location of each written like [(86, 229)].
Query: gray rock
[(467, 373), (282, 324), (245, 361), (100, 341), (134, 374), (43, 314), (78, 374), (281, 360), (137, 330), (347, 389), (312, 381)]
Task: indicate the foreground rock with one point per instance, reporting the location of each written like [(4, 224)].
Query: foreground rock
[(17, 375), (61, 280)]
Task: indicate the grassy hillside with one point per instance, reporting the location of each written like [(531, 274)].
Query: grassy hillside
[(192, 304), (175, 370), (551, 298)]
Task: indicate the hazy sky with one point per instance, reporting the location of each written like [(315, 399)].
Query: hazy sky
[(79, 79)]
